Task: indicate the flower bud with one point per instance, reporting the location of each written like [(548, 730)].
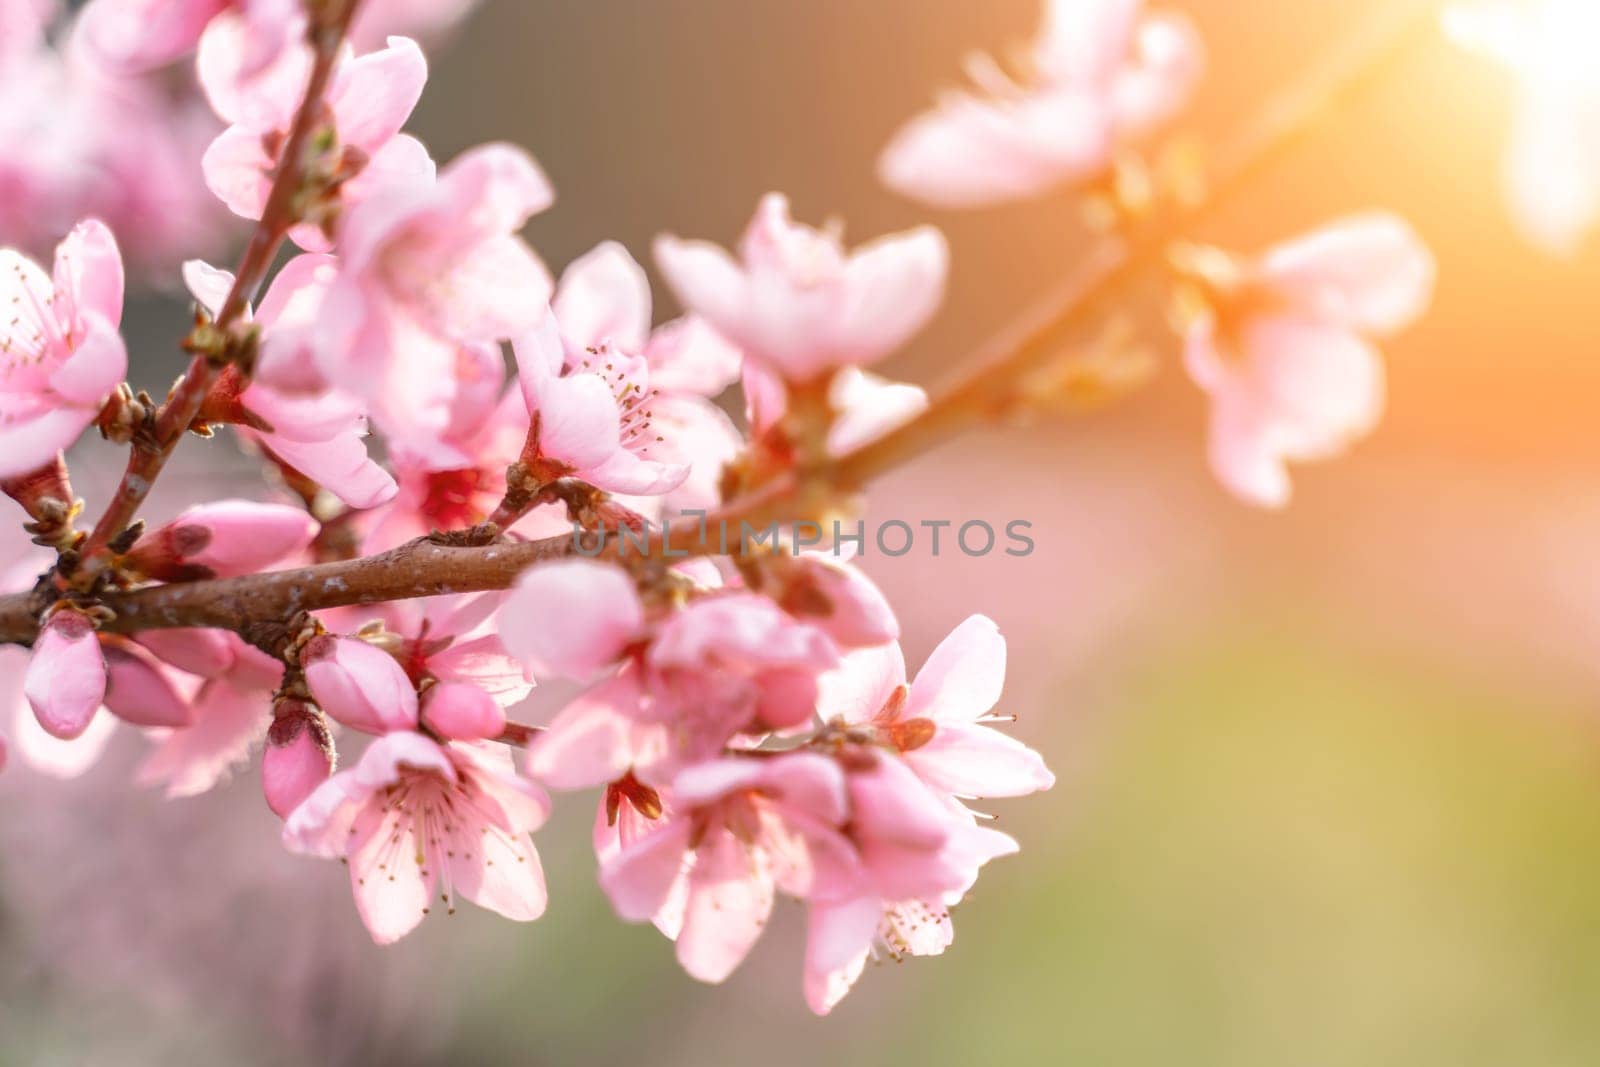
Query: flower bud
[(138, 690), (838, 599), (298, 757), (66, 677), (462, 712), (203, 653), (359, 685), (223, 539)]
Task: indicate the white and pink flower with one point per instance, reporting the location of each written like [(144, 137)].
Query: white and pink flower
[(414, 817), (425, 267), (1285, 349), (801, 305), (60, 352), (1104, 75)]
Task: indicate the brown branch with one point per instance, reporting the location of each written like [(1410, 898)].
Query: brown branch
[(154, 443), (418, 568)]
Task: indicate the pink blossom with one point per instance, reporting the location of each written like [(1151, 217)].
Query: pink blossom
[(223, 539), (22, 26), (60, 352), (298, 758), (797, 302), (66, 678), (453, 641), (940, 722), (834, 596), (287, 407), (369, 99), (920, 849), (359, 684), (741, 829), (653, 404), (591, 420), (455, 480), (843, 935), (919, 854), (1106, 76), (865, 406), (133, 36), (731, 663), (231, 712), (413, 815), (571, 617), (1286, 352), (425, 268)]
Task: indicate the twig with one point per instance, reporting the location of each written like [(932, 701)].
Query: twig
[(153, 445)]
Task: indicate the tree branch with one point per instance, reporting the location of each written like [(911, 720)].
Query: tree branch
[(153, 445), (420, 568)]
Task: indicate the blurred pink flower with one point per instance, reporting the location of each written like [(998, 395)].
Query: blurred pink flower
[(60, 352), (231, 711), (727, 664), (940, 722), (22, 26), (413, 814), (1285, 351), (742, 829), (426, 267), (797, 302), (369, 99), (865, 406), (1104, 75), (133, 36), (455, 479), (319, 432)]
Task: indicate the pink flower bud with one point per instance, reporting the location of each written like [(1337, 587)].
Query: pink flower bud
[(204, 653), (230, 537), (139, 690), (462, 712), (66, 678), (297, 759), (361, 686), (839, 600)]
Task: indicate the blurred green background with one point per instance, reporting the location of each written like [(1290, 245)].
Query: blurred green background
[(1329, 780)]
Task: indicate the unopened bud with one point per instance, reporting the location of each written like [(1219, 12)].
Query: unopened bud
[(363, 687), (299, 756), (230, 537)]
